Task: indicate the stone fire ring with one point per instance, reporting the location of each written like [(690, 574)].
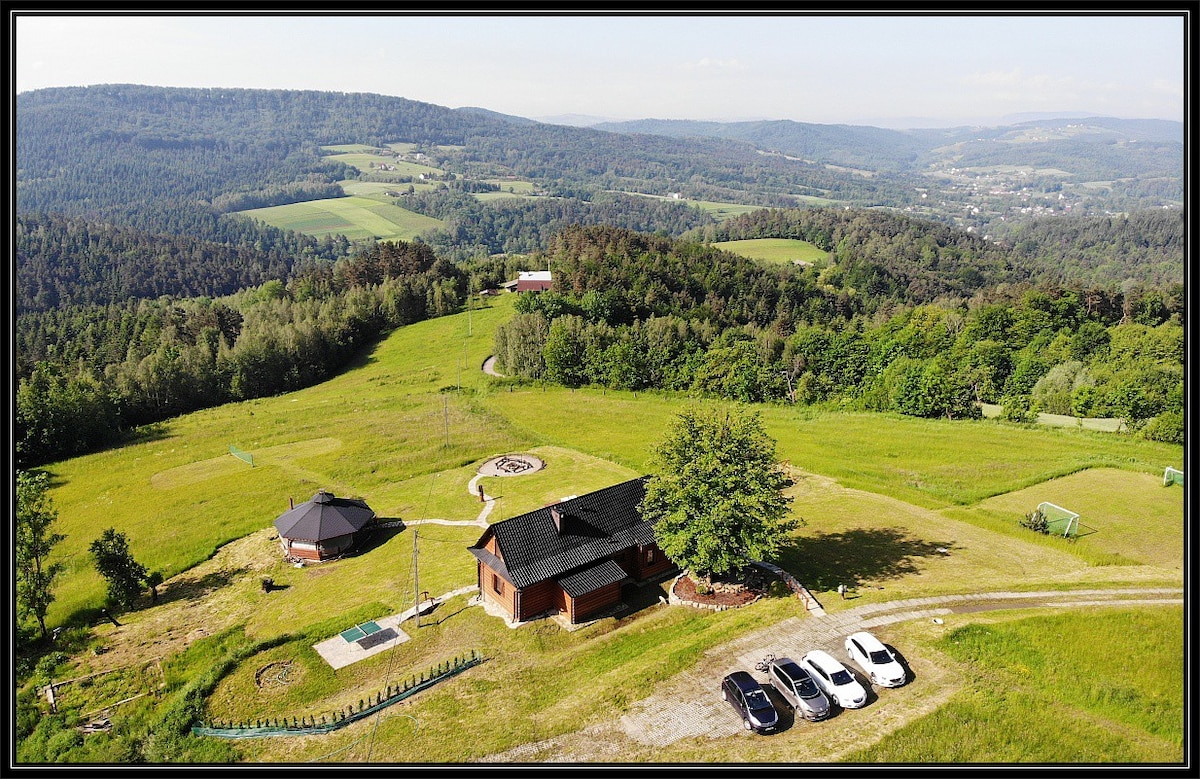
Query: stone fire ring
[(511, 465)]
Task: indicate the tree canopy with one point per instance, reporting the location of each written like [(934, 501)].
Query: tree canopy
[(125, 576), (34, 540), (716, 497)]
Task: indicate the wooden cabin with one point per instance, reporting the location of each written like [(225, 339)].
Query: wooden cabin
[(325, 527), (572, 557)]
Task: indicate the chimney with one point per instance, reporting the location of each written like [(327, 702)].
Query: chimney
[(556, 515)]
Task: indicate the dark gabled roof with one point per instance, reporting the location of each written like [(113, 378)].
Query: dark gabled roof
[(594, 527), (324, 517), (491, 561), (592, 578)]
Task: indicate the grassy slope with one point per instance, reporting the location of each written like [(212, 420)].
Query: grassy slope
[(353, 217), (774, 250), (880, 494)]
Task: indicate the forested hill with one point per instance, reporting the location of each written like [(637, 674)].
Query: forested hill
[(881, 255), (1145, 247), (1091, 148), (102, 149), (871, 148), (65, 261)]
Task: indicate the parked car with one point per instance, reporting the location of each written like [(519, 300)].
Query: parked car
[(798, 689), (750, 701), (875, 659), (834, 679)]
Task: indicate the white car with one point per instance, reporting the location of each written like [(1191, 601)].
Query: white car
[(875, 659), (834, 679)]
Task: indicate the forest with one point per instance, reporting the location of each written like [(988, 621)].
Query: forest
[(633, 312)]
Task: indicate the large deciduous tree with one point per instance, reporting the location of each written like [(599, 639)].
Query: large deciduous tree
[(716, 497), (34, 540), (125, 576)]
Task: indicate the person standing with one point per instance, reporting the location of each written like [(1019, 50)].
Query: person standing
[(842, 591)]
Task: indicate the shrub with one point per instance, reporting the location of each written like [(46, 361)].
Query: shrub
[(1036, 521)]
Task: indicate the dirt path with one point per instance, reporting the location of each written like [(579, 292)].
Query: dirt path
[(687, 705), (489, 367)]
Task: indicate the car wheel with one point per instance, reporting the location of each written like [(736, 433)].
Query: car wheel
[(747, 724)]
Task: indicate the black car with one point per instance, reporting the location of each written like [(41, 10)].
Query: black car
[(750, 701)]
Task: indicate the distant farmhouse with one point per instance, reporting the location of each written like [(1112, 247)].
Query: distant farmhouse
[(572, 557), (534, 281), (324, 527)]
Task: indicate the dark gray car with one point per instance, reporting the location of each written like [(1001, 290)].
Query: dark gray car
[(750, 701), (798, 689)]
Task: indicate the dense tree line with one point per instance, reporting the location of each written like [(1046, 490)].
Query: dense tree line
[(523, 225), (634, 312), (1142, 247), (95, 373)]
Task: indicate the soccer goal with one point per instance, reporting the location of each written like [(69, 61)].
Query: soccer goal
[(1172, 476), (241, 455), (1059, 520)]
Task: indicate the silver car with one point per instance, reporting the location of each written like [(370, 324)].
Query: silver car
[(798, 689)]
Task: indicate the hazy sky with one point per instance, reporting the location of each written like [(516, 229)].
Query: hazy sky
[(893, 71)]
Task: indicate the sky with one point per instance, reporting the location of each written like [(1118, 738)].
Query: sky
[(894, 71)]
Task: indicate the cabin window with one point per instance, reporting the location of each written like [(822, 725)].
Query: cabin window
[(649, 557), (496, 585)]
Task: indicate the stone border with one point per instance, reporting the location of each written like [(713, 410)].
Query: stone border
[(676, 600)]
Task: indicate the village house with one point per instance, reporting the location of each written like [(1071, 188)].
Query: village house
[(572, 557)]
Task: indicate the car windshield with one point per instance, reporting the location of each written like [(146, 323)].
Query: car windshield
[(806, 688), (757, 699), (880, 657), (842, 677)]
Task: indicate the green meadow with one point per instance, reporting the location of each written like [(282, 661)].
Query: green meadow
[(897, 506), (778, 251), (354, 217)]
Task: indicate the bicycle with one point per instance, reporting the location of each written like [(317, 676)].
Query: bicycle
[(765, 663)]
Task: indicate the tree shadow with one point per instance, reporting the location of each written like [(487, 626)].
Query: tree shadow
[(825, 560), (909, 676), (189, 589)]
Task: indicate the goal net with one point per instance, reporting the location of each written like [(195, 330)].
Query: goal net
[(241, 455), (1059, 521), (1172, 476)]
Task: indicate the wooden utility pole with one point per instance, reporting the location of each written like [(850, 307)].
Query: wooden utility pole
[(416, 585)]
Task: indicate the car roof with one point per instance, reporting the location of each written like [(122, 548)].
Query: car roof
[(791, 667), (744, 681), (868, 641), (822, 658)]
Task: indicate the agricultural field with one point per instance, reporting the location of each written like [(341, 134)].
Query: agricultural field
[(355, 217), (898, 508), (775, 251), (369, 160)]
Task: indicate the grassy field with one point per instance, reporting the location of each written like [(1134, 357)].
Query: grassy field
[(376, 189), (1046, 689), (776, 251), (354, 217), (896, 506)]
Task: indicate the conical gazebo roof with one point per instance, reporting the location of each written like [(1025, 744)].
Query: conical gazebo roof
[(325, 516)]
